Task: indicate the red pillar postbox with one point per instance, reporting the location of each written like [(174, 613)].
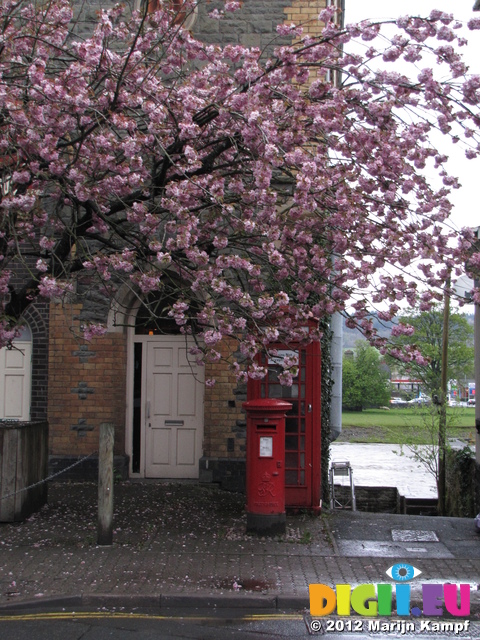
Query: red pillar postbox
[(266, 465)]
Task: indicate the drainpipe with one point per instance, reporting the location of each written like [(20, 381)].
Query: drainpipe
[(336, 352), (476, 344)]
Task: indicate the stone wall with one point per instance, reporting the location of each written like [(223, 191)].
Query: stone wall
[(374, 499), (254, 25)]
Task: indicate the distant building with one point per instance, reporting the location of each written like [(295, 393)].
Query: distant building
[(406, 384)]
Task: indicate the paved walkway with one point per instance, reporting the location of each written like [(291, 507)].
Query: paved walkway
[(185, 545)]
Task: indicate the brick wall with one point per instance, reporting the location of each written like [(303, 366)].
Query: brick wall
[(305, 13), (86, 385), (224, 418)]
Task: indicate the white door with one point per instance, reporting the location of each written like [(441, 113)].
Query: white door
[(15, 381), (173, 410)]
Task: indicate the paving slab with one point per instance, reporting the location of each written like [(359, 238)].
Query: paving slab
[(393, 549)]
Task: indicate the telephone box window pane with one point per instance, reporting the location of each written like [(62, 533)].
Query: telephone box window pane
[(289, 392), (291, 443), (275, 391), (291, 460), (302, 443), (302, 477), (273, 374), (291, 425), (291, 477)]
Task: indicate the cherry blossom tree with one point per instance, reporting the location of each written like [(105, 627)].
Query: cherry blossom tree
[(255, 191)]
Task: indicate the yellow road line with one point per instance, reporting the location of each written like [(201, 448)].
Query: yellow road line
[(85, 615)]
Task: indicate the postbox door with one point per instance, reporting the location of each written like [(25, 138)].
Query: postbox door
[(303, 424)]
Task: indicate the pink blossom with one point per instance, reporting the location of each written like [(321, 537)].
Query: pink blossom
[(91, 331), (49, 287), (474, 23), (257, 189), (41, 266)]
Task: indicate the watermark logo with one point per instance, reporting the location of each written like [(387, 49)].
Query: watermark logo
[(378, 599)]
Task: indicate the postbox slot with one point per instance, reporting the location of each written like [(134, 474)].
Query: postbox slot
[(264, 425)]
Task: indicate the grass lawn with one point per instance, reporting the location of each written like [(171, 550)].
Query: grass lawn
[(395, 425)]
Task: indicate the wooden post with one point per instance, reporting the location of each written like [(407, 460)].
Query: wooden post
[(105, 484)]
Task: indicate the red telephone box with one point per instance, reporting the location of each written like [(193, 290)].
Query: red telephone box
[(266, 465), (303, 422)]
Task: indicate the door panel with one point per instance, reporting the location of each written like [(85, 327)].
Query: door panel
[(186, 446), (15, 381), (160, 448), (187, 395), (173, 410), (161, 402)]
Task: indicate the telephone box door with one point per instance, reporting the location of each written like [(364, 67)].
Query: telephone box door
[(303, 422)]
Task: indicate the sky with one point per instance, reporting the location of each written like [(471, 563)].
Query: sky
[(467, 199)]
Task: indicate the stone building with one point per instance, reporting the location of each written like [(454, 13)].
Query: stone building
[(167, 423)]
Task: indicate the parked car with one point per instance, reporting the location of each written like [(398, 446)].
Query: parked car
[(396, 400), (420, 400)]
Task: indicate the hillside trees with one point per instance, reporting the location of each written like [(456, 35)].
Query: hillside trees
[(427, 336), (366, 383), (139, 157)]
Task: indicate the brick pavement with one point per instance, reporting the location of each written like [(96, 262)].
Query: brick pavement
[(203, 557)]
